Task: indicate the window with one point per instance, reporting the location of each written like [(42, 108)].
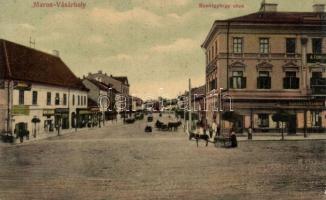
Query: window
[(237, 81), (21, 97), (317, 75), (216, 47), (213, 53), (316, 45), (263, 120), (212, 85), (237, 45), (73, 100), (264, 80), (264, 45), (57, 99), (85, 100), (316, 118), (64, 99), (290, 45), (34, 97), (48, 98), (78, 100), (290, 81)]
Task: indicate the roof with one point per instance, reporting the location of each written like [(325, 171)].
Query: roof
[(18, 62), (122, 79), (198, 90), (281, 18), (276, 18), (100, 85)]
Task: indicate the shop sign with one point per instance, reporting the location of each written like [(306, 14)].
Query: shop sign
[(20, 110), (48, 112), (314, 58)]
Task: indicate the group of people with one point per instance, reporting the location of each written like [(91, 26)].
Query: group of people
[(214, 131)]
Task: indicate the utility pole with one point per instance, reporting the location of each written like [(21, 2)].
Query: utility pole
[(189, 105)]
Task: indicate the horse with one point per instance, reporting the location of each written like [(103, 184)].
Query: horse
[(174, 125), (199, 137)]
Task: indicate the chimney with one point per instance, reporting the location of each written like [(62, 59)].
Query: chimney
[(89, 73), (100, 71), (268, 7), (56, 53), (319, 8)]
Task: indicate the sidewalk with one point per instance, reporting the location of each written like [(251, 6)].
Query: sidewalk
[(277, 137)]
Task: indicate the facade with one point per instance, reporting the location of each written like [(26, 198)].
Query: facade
[(43, 94), (119, 83), (100, 108), (265, 62)]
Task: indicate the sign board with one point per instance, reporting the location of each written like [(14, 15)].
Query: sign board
[(48, 112), (20, 110), (314, 58)]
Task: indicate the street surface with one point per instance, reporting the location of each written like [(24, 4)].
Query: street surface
[(123, 162)]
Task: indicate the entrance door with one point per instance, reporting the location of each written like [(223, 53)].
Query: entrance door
[(292, 124)]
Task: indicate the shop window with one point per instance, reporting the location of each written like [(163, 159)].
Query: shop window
[(263, 120)]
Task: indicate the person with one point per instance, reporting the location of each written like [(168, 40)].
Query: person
[(233, 137), (214, 129), (249, 133)]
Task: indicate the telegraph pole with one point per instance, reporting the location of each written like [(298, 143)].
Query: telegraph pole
[(189, 105)]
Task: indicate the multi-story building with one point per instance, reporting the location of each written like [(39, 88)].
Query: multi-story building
[(119, 83), (267, 61), (38, 92)]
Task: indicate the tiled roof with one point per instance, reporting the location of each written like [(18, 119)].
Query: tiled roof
[(18, 62)]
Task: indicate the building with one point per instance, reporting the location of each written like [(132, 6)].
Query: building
[(38, 92), (101, 100), (198, 104), (119, 83), (267, 61)]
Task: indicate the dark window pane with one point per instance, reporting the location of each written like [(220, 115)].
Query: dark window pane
[(48, 98), (316, 45), (290, 45), (34, 97), (21, 97)]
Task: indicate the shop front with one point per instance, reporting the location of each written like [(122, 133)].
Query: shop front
[(49, 120), (61, 118)]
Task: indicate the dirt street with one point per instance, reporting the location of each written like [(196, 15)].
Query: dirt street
[(123, 162)]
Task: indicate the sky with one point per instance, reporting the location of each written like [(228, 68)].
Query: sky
[(155, 43)]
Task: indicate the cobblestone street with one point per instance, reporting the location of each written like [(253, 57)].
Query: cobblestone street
[(123, 162)]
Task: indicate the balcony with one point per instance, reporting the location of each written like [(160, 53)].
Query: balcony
[(318, 86)]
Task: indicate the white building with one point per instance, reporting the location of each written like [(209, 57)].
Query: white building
[(43, 96)]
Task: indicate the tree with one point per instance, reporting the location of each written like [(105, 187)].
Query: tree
[(283, 117)]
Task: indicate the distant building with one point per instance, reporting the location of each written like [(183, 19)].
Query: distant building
[(119, 83), (268, 61), (37, 86), (102, 100)]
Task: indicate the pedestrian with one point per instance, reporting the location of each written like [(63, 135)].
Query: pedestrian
[(233, 137), (214, 129), (249, 133)]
